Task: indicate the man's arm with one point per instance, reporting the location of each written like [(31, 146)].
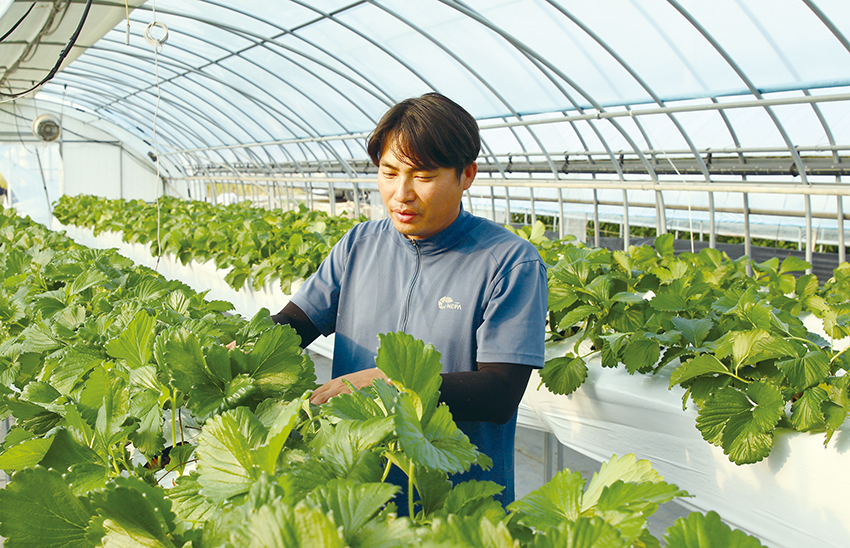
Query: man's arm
[(293, 316), (491, 394)]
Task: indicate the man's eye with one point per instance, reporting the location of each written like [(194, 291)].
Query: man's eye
[(388, 174)]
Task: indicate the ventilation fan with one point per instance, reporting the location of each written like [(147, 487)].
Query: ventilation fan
[(46, 127)]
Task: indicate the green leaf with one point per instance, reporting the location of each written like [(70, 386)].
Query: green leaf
[(640, 354), (810, 370), (226, 459), (564, 375), (612, 346), (576, 315), (626, 468), (411, 364), (627, 297), (742, 422), (135, 343), (669, 301), (664, 245), (698, 531), (349, 504), (584, 533), (188, 503), (275, 361), (440, 444), (704, 364), (38, 510), (134, 514), (433, 486), (282, 525), (552, 504), (26, 454), (695, 330), (806, 411), (793, 264)]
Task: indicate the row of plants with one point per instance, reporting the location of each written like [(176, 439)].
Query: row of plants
[(136, 425), (734, 341), (256, 245)]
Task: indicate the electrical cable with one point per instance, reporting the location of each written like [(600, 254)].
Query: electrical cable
[(21, 20), (62, 55)]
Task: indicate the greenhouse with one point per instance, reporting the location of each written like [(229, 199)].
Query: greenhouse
[(173, 173)]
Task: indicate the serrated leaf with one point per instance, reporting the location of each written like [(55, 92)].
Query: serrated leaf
[(793, 264), (225, 454), (411, 364), (134, 514), (440, 444), (664, 245), (38, 510), (552, 504), (742, 423), (810, 370), (564, 375), (612, 345), (584, 533), (704, 364), (275, 361), (626, 468), (282, 525), (698, 531), (26, 454), (188, 503), (350, 504), (807, 413), (640, 354), (576, 315), (135, 343), (694, 330), (669, 301)]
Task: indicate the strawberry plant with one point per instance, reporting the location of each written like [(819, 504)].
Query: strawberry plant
[(135, 425), (733, 341), (255, 244)]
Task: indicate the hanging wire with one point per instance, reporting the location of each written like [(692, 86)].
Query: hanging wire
[(156, 44), (21, 20), (667, 157), (62, 55)]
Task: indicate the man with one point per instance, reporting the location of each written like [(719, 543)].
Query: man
[(461, 283)]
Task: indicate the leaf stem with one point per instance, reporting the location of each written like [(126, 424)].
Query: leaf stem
[(836, 356), (410, 490)]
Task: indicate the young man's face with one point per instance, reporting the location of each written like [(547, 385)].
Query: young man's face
[(420, 202)]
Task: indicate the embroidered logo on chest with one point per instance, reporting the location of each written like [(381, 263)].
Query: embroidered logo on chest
[(448, 302)]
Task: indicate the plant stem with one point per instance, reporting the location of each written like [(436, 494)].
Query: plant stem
[(410, 491)]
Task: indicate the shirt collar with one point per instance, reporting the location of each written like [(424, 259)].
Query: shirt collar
[(442, 240)]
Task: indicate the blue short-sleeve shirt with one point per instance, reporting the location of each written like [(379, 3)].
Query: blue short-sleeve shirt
[(474, 291)]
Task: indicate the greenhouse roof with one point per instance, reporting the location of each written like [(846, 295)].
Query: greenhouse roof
[(594, 87)]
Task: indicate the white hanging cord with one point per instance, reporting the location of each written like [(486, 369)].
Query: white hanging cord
[(156, 44), (127, 13), (667, 157)]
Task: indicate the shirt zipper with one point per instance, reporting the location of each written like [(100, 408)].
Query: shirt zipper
[(412, 283)]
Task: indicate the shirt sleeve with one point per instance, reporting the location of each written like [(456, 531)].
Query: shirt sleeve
[(318, 297), (513, 329)]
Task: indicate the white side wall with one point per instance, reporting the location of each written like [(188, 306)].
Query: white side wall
[(107, 170)]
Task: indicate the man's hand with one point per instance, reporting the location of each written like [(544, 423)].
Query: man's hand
[(358, 379), (231, 345)]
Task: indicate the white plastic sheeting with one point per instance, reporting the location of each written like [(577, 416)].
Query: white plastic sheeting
[(795, 497)]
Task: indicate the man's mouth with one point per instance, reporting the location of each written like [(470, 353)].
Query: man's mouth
[(405, 216)]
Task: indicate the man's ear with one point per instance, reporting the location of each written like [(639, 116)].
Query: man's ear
[(468, 175)]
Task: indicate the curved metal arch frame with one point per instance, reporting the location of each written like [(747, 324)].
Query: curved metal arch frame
[(238, 91)]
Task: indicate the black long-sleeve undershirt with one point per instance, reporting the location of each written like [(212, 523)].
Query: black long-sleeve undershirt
[(490, 394)]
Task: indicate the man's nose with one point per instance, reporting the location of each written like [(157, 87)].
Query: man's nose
[(404, 189)]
